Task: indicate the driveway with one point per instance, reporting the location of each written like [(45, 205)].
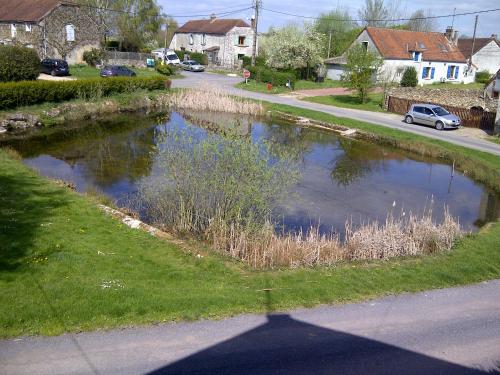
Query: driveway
[(447, 332), (393, 121)]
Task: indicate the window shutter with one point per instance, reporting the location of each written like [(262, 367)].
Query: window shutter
[(235, 40), (70, 33), (448, 75), (423, 72), (456, 72), (432, 72)]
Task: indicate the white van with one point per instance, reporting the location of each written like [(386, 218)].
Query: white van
[(166, 55)]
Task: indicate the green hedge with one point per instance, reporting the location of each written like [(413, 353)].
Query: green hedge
[(18, 64), (276, 78), (16, 94), (483, 76), (197, 56)]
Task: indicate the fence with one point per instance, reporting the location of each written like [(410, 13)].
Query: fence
[(472, 118)]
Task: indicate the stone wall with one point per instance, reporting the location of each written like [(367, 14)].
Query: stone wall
[(465, 98)]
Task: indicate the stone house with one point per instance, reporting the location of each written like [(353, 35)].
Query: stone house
[(435, 56), (55, 28), (486, 53), (225, 41)]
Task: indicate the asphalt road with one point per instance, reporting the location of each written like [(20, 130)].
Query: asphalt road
[(448, 331), (197, 80)]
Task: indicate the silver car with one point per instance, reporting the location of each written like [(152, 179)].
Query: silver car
[(192, 65), (434, 115)]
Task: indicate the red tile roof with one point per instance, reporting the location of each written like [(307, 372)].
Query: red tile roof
[(465, 45), (215, 26), (398, 44), (27, 10)]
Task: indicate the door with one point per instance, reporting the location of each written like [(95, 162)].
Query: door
[(429, 116), (419, 115)]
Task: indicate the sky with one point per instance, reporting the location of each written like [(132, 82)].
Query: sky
[(488, 22)]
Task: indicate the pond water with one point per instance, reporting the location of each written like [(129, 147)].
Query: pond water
[(341, 179)]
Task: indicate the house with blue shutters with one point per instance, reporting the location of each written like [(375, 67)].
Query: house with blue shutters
[(435, 56)]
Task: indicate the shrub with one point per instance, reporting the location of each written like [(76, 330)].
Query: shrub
[(409, 78), (199, 57), (18, 64), (163, 69), (276, 78), (483, 76), (15, 94), (93, 56)]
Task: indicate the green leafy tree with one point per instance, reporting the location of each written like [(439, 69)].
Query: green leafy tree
[(339, 33), (292, 47), (138, 24), (409, 78), (361, 69), (18, 64)]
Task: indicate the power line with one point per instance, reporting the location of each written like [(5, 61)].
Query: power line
[(382, 20)]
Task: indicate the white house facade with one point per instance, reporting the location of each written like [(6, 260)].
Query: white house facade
[(485, 53), (224, 41), (434, 56)]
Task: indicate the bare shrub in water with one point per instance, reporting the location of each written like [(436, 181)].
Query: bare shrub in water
[(209, 98), (215, 179)]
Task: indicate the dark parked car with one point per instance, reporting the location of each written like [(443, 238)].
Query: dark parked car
[(54, 67), (117, 71)]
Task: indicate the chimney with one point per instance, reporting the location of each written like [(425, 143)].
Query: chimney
[(212, 17), (455, 37), (449, 33), (494, 36)]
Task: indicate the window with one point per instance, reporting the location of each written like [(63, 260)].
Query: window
[(417, 56), (203, 39), (452, 72), (70, 33), (13, 31), (427, 111), (428, 72), (365, 45), (241, 40), (418, 109), (28, 28), (191, 39)]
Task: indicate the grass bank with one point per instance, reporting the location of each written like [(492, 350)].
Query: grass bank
[(67, 267), (350, 101), (299, 85), (482, 166)]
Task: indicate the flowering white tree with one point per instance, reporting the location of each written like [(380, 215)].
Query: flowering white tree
[(292, 47)]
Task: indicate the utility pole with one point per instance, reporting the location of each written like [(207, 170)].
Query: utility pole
[(329, 43), (257, 5), (473, 41), (453, 19), (166, 32)]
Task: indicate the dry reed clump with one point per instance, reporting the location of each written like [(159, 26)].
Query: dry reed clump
[(397, 237), (210, 98)]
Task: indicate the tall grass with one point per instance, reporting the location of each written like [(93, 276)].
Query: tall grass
[(208, 98)]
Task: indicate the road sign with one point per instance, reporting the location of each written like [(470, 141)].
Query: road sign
[(246, 74)]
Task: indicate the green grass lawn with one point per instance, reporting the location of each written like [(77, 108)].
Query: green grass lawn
[(494, 139), (299, 85), (350, 101), (66, 267), (85, 71)]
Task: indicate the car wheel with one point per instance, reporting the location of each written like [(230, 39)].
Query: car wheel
[(53, 73), (439, 125), (408, 119)]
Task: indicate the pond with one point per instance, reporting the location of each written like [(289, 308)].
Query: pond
[(341, 179)]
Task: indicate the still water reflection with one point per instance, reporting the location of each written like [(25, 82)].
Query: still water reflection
[(342, 179)]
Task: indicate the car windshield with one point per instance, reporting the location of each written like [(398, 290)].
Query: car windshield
[(440, 111), (172, 57)]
